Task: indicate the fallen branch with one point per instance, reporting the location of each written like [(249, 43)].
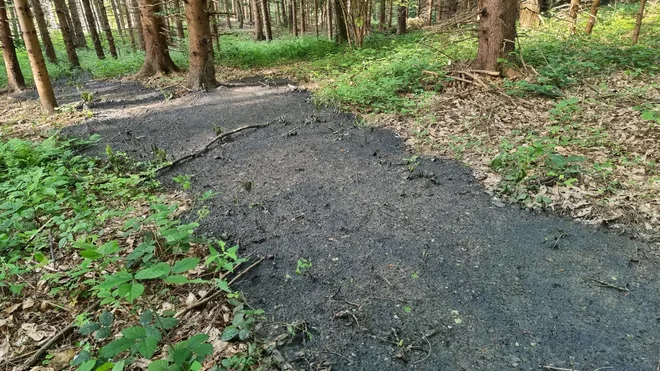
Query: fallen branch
[(208, 146), (428, 354), (29, 241), (607, 284), (558, 368), (35, 358)]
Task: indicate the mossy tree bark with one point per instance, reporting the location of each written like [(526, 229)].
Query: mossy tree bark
[(37, 62), (15, 79), (157, 59)]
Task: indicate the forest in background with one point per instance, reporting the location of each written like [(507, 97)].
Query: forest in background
[(555, 105)]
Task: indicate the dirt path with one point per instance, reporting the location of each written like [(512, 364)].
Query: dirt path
[(410, 269)]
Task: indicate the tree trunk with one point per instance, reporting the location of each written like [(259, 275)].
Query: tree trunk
[(389, 19), (529, 13), (572, 16), (402, 20), (429, 12), (61, 10), (329, 20), (316, 17), (12, 18), (438, 11), (15, 80), (239, 13), (256, 15), (342, 32), (157, 58), (118, 21), (43, 31), (592, 16), (178, 21), (303, 27), (129, 22), (37, 62), (137, 19), (294, 17), (105, 25), (382, 18), (96, 41), (497, 32), (638, 22), (201, 74), (267, 26), (77, 26)]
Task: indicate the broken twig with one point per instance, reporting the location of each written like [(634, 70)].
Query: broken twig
[(429, 353), (607, 284), (55, 338)]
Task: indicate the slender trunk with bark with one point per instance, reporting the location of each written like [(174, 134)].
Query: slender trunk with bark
[(381, 15), (61, 10), (227, 14), (496, 32), (256, 15), (572, 16), (77, 25), (316, 17), (329, 19), (105, 25), (157, 59), (201, 74), (91, 23), (389, 19), (129, 23), (592, 16), (43, 30), (12, 18), (294, 17), (177, 20), (303, 26), (429, 12), (342, 32), (401, 20), (137, 20), (638, 22), (267, 27), (37, 62), (15, 79), (239, 13), (118, 21)]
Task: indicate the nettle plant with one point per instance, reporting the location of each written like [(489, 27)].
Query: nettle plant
[(150, 266)]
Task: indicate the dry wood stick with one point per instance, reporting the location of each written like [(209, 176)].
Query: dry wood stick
[(206, 147), (35, 358)]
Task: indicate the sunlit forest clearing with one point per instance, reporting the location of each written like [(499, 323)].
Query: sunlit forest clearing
[(295, 184)]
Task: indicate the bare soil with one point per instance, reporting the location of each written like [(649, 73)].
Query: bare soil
[(414, 265)]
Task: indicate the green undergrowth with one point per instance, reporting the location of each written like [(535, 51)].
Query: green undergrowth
[(83, 229), (128, 63)]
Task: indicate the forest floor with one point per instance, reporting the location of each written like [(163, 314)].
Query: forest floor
[(384, 259)]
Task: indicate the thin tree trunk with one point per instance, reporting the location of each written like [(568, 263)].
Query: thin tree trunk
[(438, 11), (157, 58), (429, 12), (12, 18), (381, 15), (178, 21), (93, 32), (77, 26), (294, 17), (105, 25), (316, 17), (402, 17), (497, 32), (329, 19), (572, 16), (201, 74), (303, 27), (15, 79), (61, 10), (215, 8), (37, 62), (267, 26), (342, 33), (118, 20), (638, 22), (239, 12), (129, 22), (256, 16), (43, 31), (592, 16), (227, 14), (389, 19), (137, 20)]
